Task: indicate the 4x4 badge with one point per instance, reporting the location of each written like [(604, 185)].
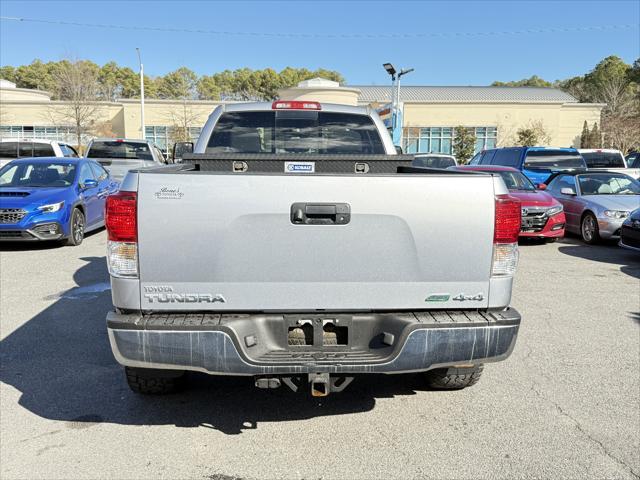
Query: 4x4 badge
[(462, 297)]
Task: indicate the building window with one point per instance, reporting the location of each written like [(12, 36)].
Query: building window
[(440, 139), (428, 140), (161, 135), (60, 134), (157, 135), (486, 138)]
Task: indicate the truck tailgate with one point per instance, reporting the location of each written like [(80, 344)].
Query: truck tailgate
[(212, 241)]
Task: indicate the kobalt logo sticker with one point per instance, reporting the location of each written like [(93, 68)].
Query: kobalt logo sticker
[(299, 167)]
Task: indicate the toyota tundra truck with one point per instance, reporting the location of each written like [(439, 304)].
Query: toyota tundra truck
[(294, 246)]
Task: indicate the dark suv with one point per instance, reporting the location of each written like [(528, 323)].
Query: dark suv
[(537, 163)]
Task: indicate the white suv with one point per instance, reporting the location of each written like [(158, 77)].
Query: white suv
[(12, 148)]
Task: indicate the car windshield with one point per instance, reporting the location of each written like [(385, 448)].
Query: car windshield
[(37, 174), (603, 159), (603, 184), (434, 161), (295, 131), (556, 159), (516, 181), (120, 149)]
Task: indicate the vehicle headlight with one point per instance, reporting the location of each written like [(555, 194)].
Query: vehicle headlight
[(52, 207), (554, 210), (616, 213)]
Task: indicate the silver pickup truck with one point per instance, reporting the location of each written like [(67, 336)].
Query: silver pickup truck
[(119, 155), (294, 246)]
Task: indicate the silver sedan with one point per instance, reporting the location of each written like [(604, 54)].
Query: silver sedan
[(595, 204)]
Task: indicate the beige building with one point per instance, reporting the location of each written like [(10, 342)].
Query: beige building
[(429, 113)]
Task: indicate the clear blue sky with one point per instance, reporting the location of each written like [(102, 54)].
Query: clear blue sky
[(454, 60)]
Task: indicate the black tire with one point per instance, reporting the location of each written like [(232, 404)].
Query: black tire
[(589, 230), (453, 378), (77, 225), (148, 381)]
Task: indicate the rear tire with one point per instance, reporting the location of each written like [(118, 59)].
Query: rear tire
[(147, 381), (76, 228), (453, 378), (589, 230)]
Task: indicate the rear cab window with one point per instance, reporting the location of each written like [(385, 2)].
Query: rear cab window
[(120, 149), (550, 158), (508, 157), (486, 157), (25, 149), (603, 159), (8, 149), (295, 131)]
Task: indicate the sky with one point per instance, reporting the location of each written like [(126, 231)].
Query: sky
[(447, 43)]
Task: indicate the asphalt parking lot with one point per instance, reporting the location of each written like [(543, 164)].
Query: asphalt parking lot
[(565, 404)]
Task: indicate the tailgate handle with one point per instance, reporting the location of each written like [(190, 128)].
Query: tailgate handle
[(303, 213)]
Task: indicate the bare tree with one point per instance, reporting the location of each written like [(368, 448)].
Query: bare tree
[(77, 83), (534, 132), (180, 121)]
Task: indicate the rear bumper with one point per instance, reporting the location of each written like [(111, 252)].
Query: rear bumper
[(256, 344)]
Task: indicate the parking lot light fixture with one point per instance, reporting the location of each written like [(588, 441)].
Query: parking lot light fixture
[(390, 70)]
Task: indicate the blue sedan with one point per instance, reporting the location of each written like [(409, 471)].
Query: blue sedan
[(52, 199)]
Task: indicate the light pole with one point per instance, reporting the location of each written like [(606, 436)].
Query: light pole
[(404, 71), (141, 94), (392, 72), (395, 99)]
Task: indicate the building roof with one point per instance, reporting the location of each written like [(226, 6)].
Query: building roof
[(427, 94)]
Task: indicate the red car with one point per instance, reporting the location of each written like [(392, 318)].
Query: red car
[(542, 215)]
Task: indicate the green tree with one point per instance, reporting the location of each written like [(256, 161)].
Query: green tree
[(595, 139), (117, 82), (526, 137), (37, 75), (179, 84), (208, 88), (464, 143), (609, 82), (8, 73), (533, 81), (585, 138)]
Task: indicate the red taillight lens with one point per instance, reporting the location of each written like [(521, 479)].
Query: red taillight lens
[(508, 219), (120, 217), (295, 105)]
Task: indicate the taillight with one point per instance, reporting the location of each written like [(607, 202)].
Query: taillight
[(505, 235), (295, 105), (120, 217), (122, 232)]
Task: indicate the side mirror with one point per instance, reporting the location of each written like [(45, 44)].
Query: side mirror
[(567, 191), (180, 149), (541, 186), (399, 150), (89, 183)]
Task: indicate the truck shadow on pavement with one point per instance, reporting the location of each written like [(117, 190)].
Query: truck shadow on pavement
[(61, 363), (609, 252)]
